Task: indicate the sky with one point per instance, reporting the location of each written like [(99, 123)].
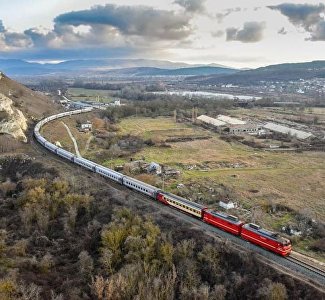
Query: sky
[(242, 33)]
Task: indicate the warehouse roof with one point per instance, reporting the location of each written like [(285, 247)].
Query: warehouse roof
[(230, 120), (287, 130), (211, 121)]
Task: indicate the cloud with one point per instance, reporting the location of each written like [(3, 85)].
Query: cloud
[(10, 41), (40, 38), (282, 31), (2, 28), (307, 16), (132, 21), (217, 34), (319, 32), (221, 16), (16, 40), (192, 6), (252, 32), (126, 29)]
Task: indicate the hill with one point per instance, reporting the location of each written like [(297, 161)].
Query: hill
[(119, 67), (33, 104), (150, 71), (19, 106), (281, 72)]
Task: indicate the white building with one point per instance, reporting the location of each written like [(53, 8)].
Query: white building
[(230, 120), (117, 102), (226, 204), (250, 128), (212, 121), (86, 126), (301, 135)]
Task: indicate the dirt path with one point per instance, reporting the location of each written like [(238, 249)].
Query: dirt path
[(88, 143), (73, 140)]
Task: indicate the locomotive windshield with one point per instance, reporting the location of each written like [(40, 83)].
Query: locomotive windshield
[(286, 243)]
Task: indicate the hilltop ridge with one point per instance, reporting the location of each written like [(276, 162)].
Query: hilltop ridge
[(19, 106)]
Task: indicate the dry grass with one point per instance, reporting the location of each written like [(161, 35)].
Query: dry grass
[(31, 103), (92, 95), (55, 131), (278, 113), (157, 127), (296, 180)]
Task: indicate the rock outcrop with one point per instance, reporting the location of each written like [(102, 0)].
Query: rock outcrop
[(12, 120)]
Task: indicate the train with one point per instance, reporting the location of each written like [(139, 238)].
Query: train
[(248, 231)]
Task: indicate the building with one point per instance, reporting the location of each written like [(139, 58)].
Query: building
[(249, 128), (211, 121), (226, 204), (117, 102), (87, 126), (230, 120), (301, 135)]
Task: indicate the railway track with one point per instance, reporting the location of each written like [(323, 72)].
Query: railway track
[(290, 265), (307, 266)]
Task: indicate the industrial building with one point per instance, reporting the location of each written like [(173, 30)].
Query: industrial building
[(212, 121), (301, 135), (249, 128), (230, 120)]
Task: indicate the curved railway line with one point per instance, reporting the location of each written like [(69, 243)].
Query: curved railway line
[(291, 265)]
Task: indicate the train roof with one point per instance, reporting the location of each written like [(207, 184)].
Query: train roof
[(227, 217), (183, 200), (141, 183), (108, 169), (264, 232)]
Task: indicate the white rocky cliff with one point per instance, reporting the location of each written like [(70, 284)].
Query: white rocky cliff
[(12, 120)]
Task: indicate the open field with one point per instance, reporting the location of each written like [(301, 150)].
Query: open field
[(77, 94), (296, 180), (158, 128), (56, 132), (306, 115)]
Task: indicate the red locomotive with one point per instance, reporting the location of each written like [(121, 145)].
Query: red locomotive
[(249, 232), (266, 239), (224, 221)]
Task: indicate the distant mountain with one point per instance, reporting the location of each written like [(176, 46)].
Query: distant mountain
[(281, 72), (147, 71), (204, 74), (14, 67), (141, 67)]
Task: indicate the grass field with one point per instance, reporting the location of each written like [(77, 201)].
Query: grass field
[(296, 180), (77, 94), (278, 113), (56, 132)]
